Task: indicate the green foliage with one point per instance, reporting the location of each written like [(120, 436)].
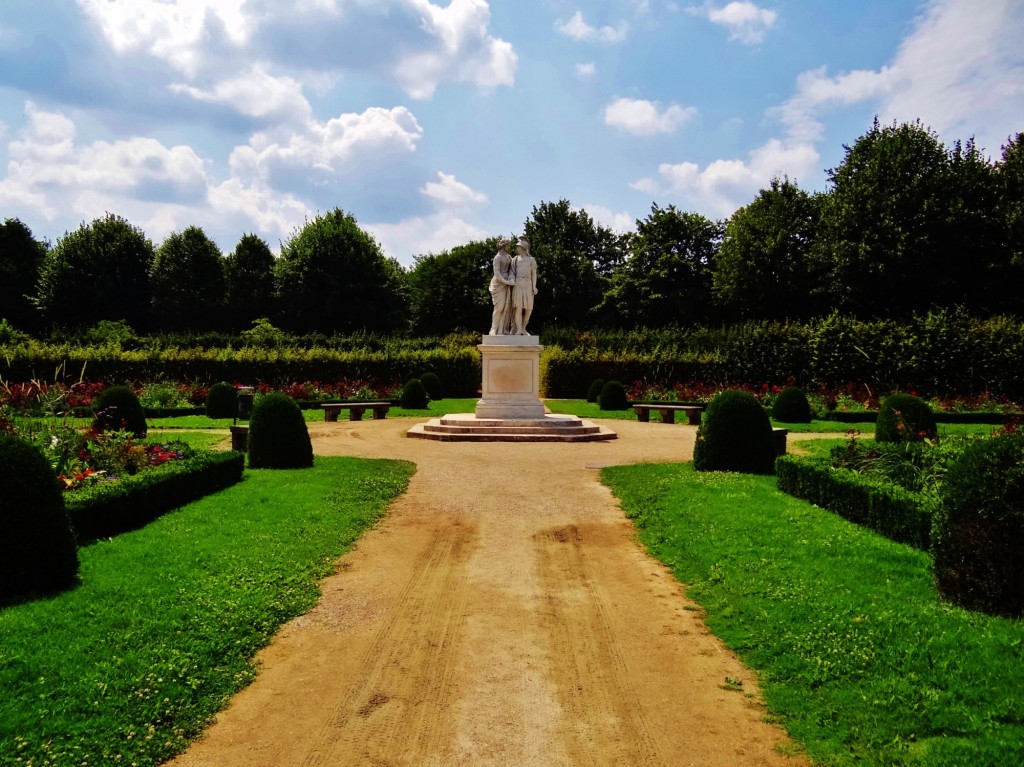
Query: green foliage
[(187, 281), (278, 436), (21, 257), (595, 389), (1010, 175), (100, 271), (222, 401), (264, 335), (791, 406), (613, 396), (37, 547), (735, 435), (116, 333), (249, 282), (978, 531), (905, 418), (432, 384), (448, 291), (333, 276), (117, 408), (108, 509), (414, 395)]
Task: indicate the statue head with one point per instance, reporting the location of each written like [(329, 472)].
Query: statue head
[(503, 244), (523, 245)]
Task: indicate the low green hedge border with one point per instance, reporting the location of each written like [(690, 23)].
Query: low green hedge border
[(889, 510), (105, 510)]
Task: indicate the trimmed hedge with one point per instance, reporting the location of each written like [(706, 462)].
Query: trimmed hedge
[(103, 511), (905, 418), (892, 511), (735, 435), (278, 435)]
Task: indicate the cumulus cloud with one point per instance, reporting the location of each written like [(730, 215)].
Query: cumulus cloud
[(580, 30), (586, 70), (747, 23), (451, 193), (255, 93), (616, 221), (646, 118)]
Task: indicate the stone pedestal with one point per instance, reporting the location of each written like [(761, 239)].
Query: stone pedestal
[(511, 378)]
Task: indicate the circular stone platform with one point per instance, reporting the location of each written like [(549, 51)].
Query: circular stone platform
[(467, 427)]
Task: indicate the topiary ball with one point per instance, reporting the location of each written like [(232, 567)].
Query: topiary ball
[(222, 401), (37, 546), (735, 435), (414, 395), (791, 406), (613, 397), (905, 418), (278, 437), (595, 390), (432, 384), (978, 529), (118, 409)]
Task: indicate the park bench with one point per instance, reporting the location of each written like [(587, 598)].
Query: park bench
[(355, 410), (668, 412)]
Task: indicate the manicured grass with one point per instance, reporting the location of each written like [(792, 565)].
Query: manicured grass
[(129, 666), (858, 658), (867, 429), (584, 409)]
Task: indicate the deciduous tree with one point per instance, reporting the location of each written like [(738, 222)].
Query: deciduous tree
[(187, 279), (21, 256), (448, 290), (249, 277)]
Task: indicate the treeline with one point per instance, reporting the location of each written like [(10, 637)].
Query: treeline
[(906, 225)]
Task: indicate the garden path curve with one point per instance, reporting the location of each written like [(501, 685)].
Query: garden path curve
[(502, 614)]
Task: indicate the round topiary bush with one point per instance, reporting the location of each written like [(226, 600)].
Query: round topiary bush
[(414, 395), (37, 546), (118, 409), (221, 401), (613, 397), (595, 390), (791, 406), (905, 418), (978, 529), (432, 384), (278, 437), (735, 435)]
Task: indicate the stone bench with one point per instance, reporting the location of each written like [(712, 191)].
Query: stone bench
[(668, 412), (355, 410), (779, 435)]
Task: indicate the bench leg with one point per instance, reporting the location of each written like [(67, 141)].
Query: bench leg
[(330, 415), (355, 414), (379, 414), (694, 417), (643, 415), (668, 416)]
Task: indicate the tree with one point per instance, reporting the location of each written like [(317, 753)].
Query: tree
[(333, 276), (187, 280), (100, 271), (763, 268), (448, 291), (667, 278), (1010, 182), (249, 278), (573, 253), (21, 257)]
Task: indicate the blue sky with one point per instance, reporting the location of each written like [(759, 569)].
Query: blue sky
[(436, 123)]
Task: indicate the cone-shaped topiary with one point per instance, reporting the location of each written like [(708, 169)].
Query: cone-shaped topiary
[(432, 384), (905, 418), (414, 395), (37, 547), (735, 435), (791, 406), (278, 437), (595, 390), (118, 409), (221, 401), (978, 529), (613, 397)]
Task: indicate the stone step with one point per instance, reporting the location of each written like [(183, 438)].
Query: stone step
[(464, 429), (467, 428)]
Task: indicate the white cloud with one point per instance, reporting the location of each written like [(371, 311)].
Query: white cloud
[(421, 235), (450, 193), (586, 70), (256, 93), (617, 222), (578, 29), (801, 113), (747, 23), (646, 118)]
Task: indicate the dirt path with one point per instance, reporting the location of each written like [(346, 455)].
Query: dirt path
[(502, 614)]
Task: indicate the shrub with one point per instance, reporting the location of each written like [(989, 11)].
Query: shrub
[(432, 384), (117, 408), (905, 418), (613, 397), (414, 395), (735, 435), (37, 547), (595, 390), (222, 401), (978, 529), (791, 406), (278, 437)]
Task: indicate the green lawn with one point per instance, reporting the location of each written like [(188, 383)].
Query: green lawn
[(858, 658), (129, 666)]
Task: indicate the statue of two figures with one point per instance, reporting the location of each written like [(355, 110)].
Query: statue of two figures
[(513, 287)]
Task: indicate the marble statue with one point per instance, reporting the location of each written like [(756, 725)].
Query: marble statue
[(524, 289), (501, 291)]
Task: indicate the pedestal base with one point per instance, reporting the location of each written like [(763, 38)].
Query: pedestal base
[(511, 378)]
